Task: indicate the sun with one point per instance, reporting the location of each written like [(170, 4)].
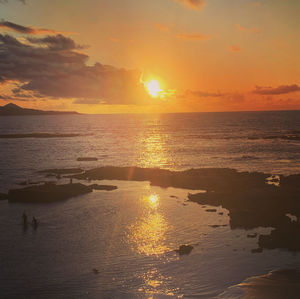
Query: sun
[(154, 89)]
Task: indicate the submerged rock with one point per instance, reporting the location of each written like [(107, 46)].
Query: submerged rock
[(103, 187), (47, 193), (257, 250), (254, 235), (3, 196), (184, 249), (211, 210), (87, 159), (58, 171)]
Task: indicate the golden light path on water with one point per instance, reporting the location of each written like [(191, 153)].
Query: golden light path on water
[(148, 233), (147, 236), (152, 147)]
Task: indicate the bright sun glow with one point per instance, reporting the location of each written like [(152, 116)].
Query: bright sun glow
[(154, 89)]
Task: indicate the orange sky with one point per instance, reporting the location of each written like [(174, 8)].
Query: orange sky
[(213, 55)]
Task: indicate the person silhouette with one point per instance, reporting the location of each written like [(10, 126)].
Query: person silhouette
[(34, 222), (25, 222)]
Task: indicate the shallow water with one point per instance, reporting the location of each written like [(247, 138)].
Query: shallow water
[(129, 235)]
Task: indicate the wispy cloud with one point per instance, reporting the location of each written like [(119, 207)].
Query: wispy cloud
[(193, 36), (245, 29), (283, 89), (162, 27), (6, 1), (199, 93), (192, 4), (25, 29), (235, 48)]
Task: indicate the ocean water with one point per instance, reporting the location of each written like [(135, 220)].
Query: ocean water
[(248, 141), (129, 235)]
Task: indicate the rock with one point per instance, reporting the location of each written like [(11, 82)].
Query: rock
[(184, 249), (254, 235), (103, 187), (284, 237), (87, 159), (257, 250), (61, 171), (3, 196), (221, 213), (48, 192), (173, 196), (36, 135), (211, 210), (96, 271)]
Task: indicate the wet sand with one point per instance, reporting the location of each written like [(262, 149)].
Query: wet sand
[(276, 284)]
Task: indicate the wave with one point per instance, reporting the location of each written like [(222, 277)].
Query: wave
[(283, 283)]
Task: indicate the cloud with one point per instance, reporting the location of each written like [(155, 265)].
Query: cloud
[(56, 43), (199, 93), (25, 29), (192, 4), (249, 30), (52, 67), (196, 36), (235, 48), (283, 89), (162, 27), (6, 1)]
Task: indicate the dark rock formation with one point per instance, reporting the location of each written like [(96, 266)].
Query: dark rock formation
[(50, 172), (47, 193), (257, 250), (262, 205), (254, 235), (87, 159), (103, 187), (250, 201), (3, 196), (184, 249), (211, 179), (286, 236), (211, 210), (12, 109), (37, 135)]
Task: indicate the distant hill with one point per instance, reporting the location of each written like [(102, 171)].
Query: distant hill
[(12, 109)]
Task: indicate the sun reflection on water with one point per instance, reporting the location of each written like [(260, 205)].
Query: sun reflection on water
[(147, 234), (153, 149), (156, 283)]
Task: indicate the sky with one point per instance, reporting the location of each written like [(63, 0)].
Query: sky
[(99, 56)]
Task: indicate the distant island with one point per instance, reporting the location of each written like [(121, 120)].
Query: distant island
[(12, 109)]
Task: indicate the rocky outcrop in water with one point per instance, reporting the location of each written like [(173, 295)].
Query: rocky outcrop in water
[(47, 193)]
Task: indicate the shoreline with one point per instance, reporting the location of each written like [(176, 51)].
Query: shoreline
[(253, 199)]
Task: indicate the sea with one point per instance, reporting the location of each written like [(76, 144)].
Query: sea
[(120, 244)]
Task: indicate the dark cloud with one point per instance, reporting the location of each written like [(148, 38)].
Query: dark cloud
[(283, 89), (25, 29), (192, 4), (52, 67), (56, 43)]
